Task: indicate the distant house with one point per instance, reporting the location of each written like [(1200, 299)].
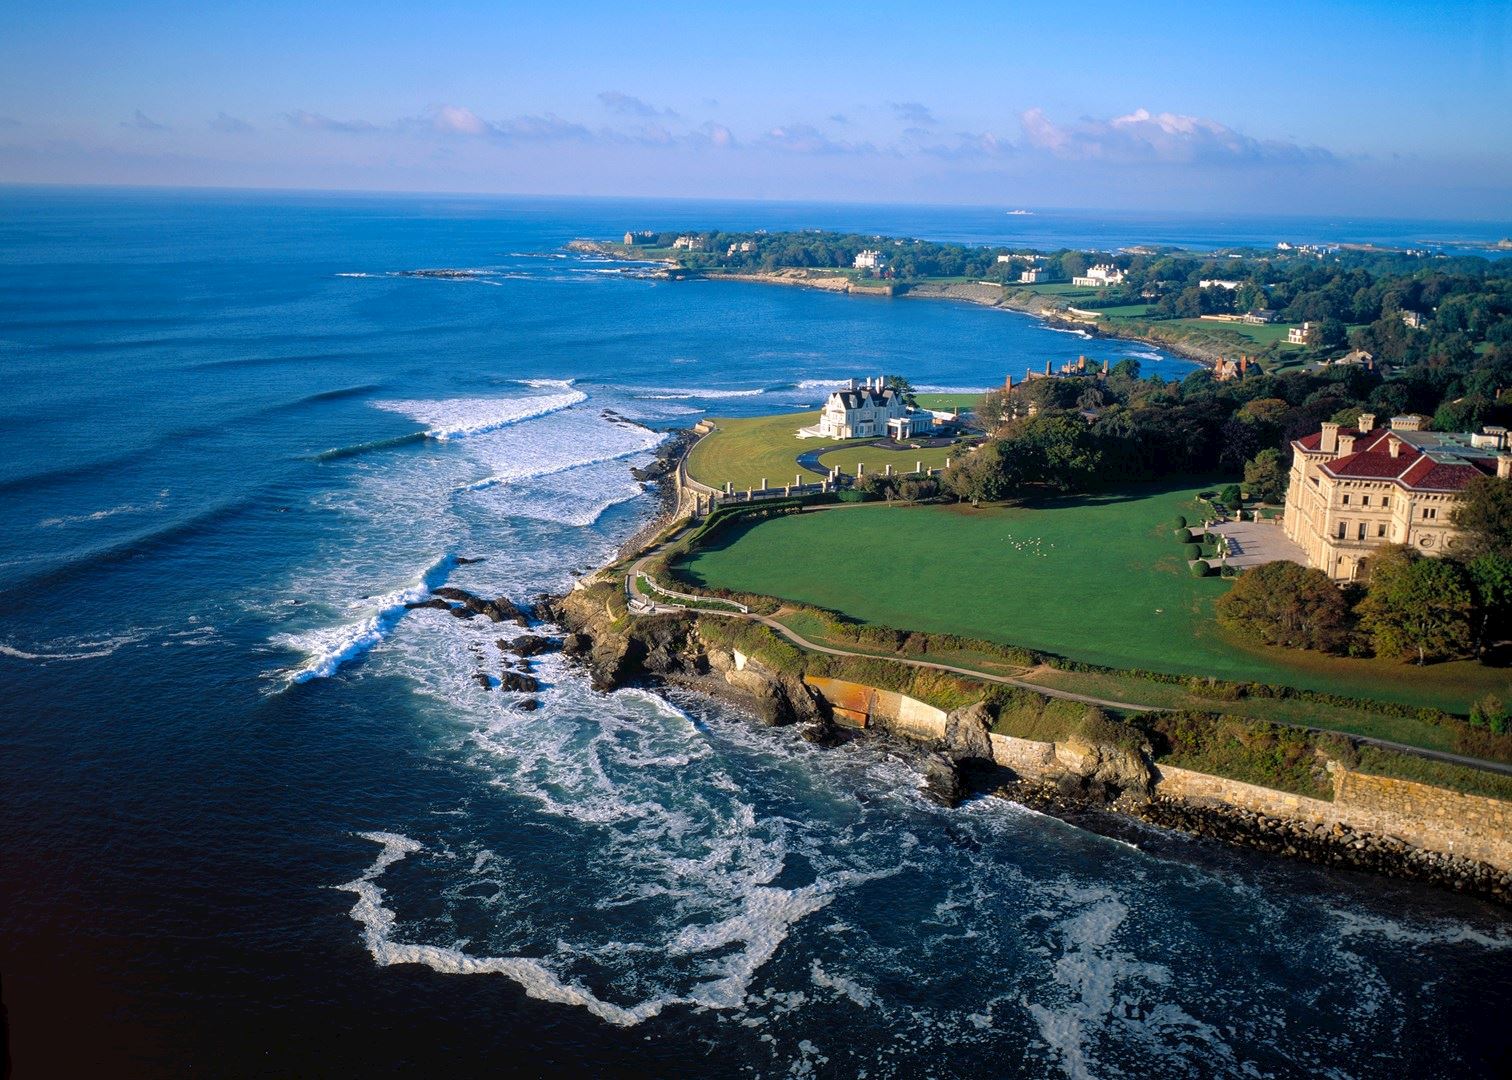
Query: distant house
[(869, 410), (1005, 258), (1356, 358), (1100, 276), (1413, 319), (1218, 283), (629, 238), (870, 260), (1298, 335), (1228, 370), (743, 245), (689, 243), (1034, 275), (1259, 317)]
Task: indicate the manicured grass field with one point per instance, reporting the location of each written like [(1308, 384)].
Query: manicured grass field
[(747, 450), (1126, 311), (1269, 334), (876, 459), (1096, 579)]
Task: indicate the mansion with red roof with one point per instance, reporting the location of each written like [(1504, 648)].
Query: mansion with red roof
[(1355, 489)]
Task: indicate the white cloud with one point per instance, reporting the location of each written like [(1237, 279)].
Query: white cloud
[(1143, 136)]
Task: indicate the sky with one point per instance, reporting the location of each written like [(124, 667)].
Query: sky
[(1384, 108)]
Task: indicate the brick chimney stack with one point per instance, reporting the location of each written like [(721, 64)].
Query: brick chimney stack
[(1367, 423), (1329, 442)]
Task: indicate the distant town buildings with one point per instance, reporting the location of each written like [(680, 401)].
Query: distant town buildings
[(1100, 276), (1356, 489), (870, 260)]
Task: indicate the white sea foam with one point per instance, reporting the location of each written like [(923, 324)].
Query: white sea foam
[(561, 384), (453, 418), (327, 648), (72, 648), (677, 393), (99, 515), (844, 986)]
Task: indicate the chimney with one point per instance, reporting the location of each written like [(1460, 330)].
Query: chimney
[(1047, 367), (1409, 422), (1346, 445), (1504, 466), (1395, 446), (1330, 440), (1366, 423), (1008, 383)]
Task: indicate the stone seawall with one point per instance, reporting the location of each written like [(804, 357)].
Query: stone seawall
[(1430, 818)]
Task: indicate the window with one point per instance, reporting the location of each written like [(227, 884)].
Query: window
[(1346, 498), (1364, 500), (1361, 535), (1385, 500), (1430, 513), (1343, 529), (1381, 529)]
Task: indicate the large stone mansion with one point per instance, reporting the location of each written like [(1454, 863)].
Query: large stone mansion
[(869, 410), (1356, 489)]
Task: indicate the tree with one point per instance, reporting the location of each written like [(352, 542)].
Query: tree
[(1265, 476), (994, 409), (1491, 584), (1483, 515), (1281, 603), (1231, 496), (1417, 606), (982, 475), (904, 388)]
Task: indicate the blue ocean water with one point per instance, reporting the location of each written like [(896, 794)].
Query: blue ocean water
[(256, 818)]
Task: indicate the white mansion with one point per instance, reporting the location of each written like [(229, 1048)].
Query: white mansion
[(869, 410)]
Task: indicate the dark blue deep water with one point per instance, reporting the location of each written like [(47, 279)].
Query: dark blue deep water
[(256, 819)]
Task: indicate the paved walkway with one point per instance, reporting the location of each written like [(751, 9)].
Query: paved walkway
[(1254, 542)]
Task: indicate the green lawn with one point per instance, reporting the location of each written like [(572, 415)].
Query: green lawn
[(1126, 311), (948, 401), (745, 451), (1095, 579), (876, 459), (1269, 334)]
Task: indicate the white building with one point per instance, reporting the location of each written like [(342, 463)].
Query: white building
[(1034, 275), (1100, 276), (1218, 283), (689, 243), (1298, 335), (869, 410), (1005, 258), (870, 260), (1412, 319)]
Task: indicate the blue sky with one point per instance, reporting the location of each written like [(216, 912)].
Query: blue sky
[(1370, 108)]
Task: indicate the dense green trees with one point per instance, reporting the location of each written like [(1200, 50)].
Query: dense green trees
[(1483, 514), (1417, 607), (1281, 603), (1265, 475)]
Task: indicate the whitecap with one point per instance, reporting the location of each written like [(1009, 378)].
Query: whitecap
[(453, 418), (327, 648), (75, 649)]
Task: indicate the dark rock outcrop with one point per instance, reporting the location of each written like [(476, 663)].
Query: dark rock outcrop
[(966, 734), (942, 780), (483, 680), (468, 605), (529, 645), (519, 683)]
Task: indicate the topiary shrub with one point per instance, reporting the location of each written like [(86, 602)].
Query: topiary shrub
[(1201, 569), (1193, 551), (1181, 521), (1183, 534)]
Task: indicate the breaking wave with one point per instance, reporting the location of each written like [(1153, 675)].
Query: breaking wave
[(454, 418), (75, 650), (327, 648)]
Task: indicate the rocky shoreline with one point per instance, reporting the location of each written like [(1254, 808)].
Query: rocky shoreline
[(1110, 784), (1006, 298)]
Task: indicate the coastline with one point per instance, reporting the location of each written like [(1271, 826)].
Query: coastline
[(1047, 309)]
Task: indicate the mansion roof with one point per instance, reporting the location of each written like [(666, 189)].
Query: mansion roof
[(862, 398), (1425, 460)]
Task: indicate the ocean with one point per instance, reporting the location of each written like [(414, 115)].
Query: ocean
[(258, 818)]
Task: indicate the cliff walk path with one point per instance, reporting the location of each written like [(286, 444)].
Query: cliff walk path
[(643, 603)]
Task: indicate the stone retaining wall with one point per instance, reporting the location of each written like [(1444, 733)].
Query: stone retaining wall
[(1431, 818)]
